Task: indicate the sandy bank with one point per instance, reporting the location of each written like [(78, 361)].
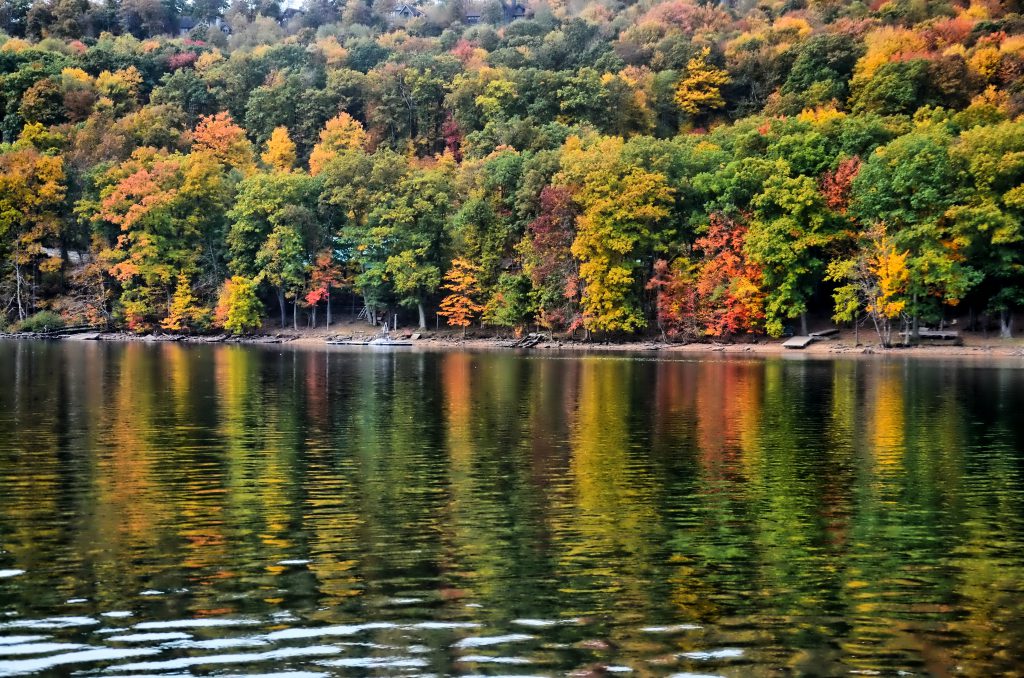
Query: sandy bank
[(973, 344)]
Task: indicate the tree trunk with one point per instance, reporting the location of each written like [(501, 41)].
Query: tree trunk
[(280, 304), (423, 316), (1005, 324), (803, 323), (914, 330), (328, 308), (17, 291), (295, 314)]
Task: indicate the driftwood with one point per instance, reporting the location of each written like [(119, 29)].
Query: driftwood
[(530, 340)]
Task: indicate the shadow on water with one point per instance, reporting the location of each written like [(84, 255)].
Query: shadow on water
[(212, 509)]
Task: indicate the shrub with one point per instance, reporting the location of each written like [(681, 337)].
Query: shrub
[(41, 322)]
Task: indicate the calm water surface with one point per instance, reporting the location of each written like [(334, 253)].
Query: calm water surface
[(176, 510)]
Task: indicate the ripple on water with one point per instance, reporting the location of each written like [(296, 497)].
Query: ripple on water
[(245, 658), (195, 623), (150, 637), (323, 631), (485, 641), (724, 653), (90, 656), (487, 659), (49, 623), (13, 640), (543, 623), (38, 648), (376, 663)]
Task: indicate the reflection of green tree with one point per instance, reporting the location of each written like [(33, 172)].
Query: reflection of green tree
[(496, 529)]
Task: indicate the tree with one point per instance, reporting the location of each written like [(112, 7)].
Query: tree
[(700, 89), (238, 308), (164, 214), (412, 228), (717, 295), (789, 231), (617, 233), (218, 136), (342, 132), (282, 261), (991, 219), (553, 270), (280, 153), (326, 274), (729, 285), (461, 305), (909, 185), (32, 190), (184, 313), (875, 280), (273, 211)]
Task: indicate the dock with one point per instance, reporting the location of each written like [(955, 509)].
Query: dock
[(798, 342)]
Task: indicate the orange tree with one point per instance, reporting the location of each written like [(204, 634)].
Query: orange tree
[(461, 306)]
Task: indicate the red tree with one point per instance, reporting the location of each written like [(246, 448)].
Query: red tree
[(718, 294), (835, 185)]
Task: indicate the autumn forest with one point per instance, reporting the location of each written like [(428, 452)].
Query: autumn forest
[(682, 168)]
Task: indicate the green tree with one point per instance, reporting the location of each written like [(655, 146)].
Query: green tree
[(790, 229)]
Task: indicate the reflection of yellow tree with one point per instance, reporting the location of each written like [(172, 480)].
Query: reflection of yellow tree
[(614, 512), (887, 420)]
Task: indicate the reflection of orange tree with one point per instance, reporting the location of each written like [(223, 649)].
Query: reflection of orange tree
[(475, 556), (727, 408)]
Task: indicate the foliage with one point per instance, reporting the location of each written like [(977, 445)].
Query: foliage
[(700, 89), (280, 153), (460, 306), (41, 321), (238, 308), (875, 281), (691, 165)]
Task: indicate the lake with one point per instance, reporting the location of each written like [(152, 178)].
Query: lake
[(226, 510)]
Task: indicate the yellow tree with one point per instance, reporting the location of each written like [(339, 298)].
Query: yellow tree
[(238, 308), (32, 189), (280, 153), (874, 280), (185, 312), (342, 132), (700, 88), (461, 306), (624, 209)]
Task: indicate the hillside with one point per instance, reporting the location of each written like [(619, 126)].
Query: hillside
[(701, 170)]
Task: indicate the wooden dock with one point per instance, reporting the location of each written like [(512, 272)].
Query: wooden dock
[(798, 342)]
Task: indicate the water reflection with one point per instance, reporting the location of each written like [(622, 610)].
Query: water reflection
[(196, 509)]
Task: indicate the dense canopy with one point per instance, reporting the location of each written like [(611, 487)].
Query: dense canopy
[(695, 169)]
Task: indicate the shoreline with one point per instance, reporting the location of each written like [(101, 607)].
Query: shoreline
[(841, 344)]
